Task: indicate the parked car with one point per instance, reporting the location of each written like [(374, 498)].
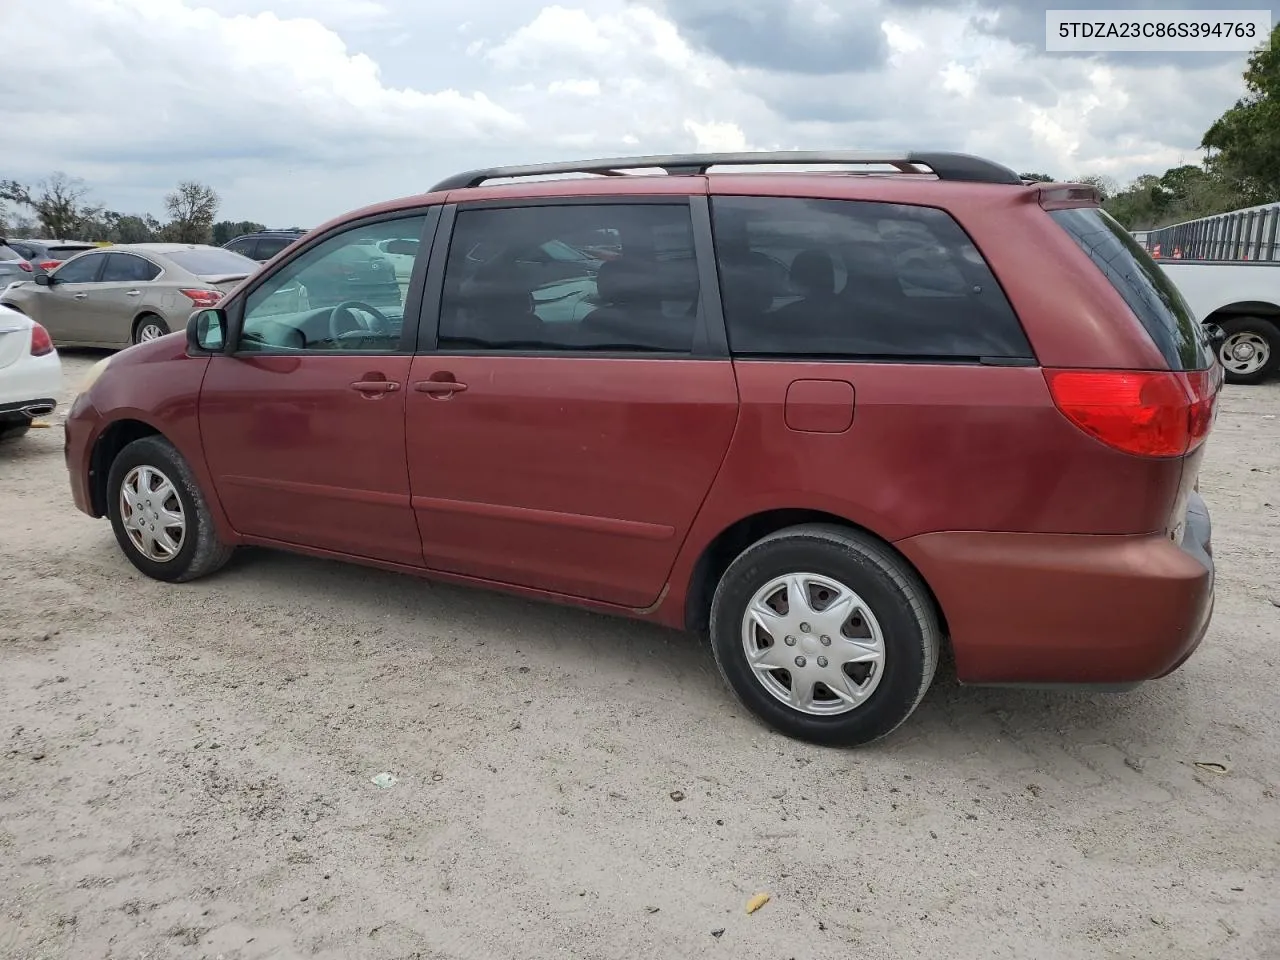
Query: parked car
[(264, 245), (1241, 297), (30, 373), (13, 265), (832, 472), (128, 293), (45, 255)]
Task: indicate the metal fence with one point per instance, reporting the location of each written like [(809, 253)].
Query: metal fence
[(1249, 234)]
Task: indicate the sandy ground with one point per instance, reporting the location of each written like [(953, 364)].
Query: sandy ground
[(185, 772)]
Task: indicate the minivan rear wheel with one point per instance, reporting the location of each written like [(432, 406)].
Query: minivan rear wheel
[(1250, 349), (825, 634), (160, 518)]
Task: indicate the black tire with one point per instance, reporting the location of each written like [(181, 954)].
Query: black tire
[(896, 596), (145, 321), (1257, 329), (10, 432), (200, 551)]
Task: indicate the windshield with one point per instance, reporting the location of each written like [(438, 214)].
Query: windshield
[(213, 262)]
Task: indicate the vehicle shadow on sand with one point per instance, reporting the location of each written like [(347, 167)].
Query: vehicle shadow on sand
[(678, 667)]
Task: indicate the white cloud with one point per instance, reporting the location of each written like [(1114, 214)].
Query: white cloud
[(296, 110)]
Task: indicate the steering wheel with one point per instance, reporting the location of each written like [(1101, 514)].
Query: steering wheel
[(356, 326)]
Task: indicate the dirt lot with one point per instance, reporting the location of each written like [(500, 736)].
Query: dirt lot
[(186, 772)]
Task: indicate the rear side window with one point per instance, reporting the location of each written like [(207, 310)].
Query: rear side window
[(126, 268), (858, 279), (8, 253), (1150, 294)]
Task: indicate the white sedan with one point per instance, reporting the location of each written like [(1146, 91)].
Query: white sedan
[(30, 373)]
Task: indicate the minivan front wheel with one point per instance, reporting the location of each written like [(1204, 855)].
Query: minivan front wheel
[(825, 634), (158, 514)]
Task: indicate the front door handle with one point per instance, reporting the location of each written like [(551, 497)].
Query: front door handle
[(439, 388), (375, 388), (82, 296)]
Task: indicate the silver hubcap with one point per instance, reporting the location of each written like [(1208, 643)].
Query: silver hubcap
[(149, 331), (813, 643), (152, 514), (1245, 353)]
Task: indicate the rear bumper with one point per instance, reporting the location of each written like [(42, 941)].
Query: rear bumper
[(30, 380), (1060, 608)]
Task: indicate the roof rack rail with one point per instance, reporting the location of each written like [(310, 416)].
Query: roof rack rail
[(945, 166)]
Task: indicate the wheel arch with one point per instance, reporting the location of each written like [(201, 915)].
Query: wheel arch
[(1246, 308), (114, 437), (143, 314), (721, 550)]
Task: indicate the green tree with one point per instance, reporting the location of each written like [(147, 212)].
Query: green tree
[(59, 204), (1245, 141), (227, 230), (1037, 177), (1106, 186), (191, 208), (131, 228)]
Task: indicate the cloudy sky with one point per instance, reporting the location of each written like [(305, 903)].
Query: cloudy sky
[(296, 110)]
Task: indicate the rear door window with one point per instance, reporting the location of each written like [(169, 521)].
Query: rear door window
[(858, 279), (126, 268), (539, 278), (1148, 291)]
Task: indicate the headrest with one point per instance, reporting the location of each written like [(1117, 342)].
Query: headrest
[(813, 272)]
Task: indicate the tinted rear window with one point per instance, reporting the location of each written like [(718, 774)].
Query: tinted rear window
[(213, 262), (1148, 291)]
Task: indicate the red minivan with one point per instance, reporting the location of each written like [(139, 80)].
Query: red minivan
[(833, 419)]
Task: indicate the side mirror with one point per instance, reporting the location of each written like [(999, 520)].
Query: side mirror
[(43, 280), (1217, 336), (207, 331)]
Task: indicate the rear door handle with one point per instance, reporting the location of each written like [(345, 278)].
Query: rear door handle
[(133, 293), (439, 387), (375, 387), (82, 296)]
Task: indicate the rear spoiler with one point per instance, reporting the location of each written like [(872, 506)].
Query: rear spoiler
[(1063, 196)]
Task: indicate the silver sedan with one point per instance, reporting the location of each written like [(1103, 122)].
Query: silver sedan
[(125, 294)]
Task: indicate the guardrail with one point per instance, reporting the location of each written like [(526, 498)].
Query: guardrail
[(1242, 235)]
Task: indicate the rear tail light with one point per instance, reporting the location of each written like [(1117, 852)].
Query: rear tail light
[(47, 265), (24, 266), (1144, 413), (203, 298), (41, 342)]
